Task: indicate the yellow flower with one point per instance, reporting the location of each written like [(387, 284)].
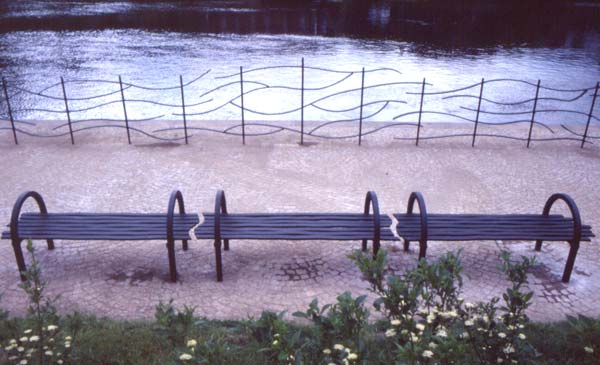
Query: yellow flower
[(192, 343), (185, 357), (589, 350)]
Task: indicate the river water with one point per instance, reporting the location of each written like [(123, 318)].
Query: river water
[(151, 43)]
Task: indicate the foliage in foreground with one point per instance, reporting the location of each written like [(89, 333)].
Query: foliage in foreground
[(425, 322)]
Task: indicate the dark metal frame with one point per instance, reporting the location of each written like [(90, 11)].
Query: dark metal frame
[(418, 197), (14, 228), (577, 228)]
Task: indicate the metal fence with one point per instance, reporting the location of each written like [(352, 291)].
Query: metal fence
[(387, 101)]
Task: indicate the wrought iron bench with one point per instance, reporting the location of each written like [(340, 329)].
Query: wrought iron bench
[(99, 226), (477, 227), (223, 226)]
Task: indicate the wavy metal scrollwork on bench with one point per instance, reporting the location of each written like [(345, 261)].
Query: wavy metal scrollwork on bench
[(14, 227), (577, 229)]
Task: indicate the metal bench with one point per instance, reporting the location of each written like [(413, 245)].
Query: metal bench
[(223, 226), (100, 226), (477, 227)]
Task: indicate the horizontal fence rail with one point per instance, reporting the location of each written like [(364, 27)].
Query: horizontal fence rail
[(343, 104)]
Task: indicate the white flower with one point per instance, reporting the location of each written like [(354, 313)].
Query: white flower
[(34, 338), (390, 333), (23, 339), (191, 343), (469, 305), (427, 354), (522, 336), (589, 350), (502, 335), (275, 343), (27, 331), (352, 356), (59, 362), (338, 347), (430, 317), (326, 351), (395, 322), (499, 361), (521, 326), (508, 349), (52, 327), (67, 344), (464, 335), (442, 333), (414, 337), (49, 353), (420, 327), (185, 357), (68, 338), (433, 345), (469, 323), (23, 362), (13, 341), (20, 348)]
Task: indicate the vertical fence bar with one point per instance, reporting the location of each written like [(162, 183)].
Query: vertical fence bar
[(589, 115), (183, 107), (362, 93), (242, 96), (302, 106), (62, 82), (420, 110), (125, 110), (10, 115), (477, 115), (537, 92)]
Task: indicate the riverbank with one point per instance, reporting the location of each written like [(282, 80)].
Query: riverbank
[(126, 279)]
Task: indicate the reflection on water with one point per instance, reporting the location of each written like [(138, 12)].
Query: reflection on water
[(153, 42)]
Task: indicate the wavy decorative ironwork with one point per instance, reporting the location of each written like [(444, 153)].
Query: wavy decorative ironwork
[(333, 95)]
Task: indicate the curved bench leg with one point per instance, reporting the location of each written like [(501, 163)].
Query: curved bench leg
[(226, 245), (538, 245), (19, 257), (184, 245), (172, 264), (422, 249), (570, 261), (218, 262), (406, 245), (364, 245), (376, 245)]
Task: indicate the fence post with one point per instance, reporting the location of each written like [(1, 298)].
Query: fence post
[(62, 82), (302, 106), (10, 116), (242, 95), (362, 93), (537, 92), (183, 107), (589, 115), (125, 110), (420, 110), (477, 115)]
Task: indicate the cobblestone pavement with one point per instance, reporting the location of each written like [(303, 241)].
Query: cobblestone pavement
[(127, 279)]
